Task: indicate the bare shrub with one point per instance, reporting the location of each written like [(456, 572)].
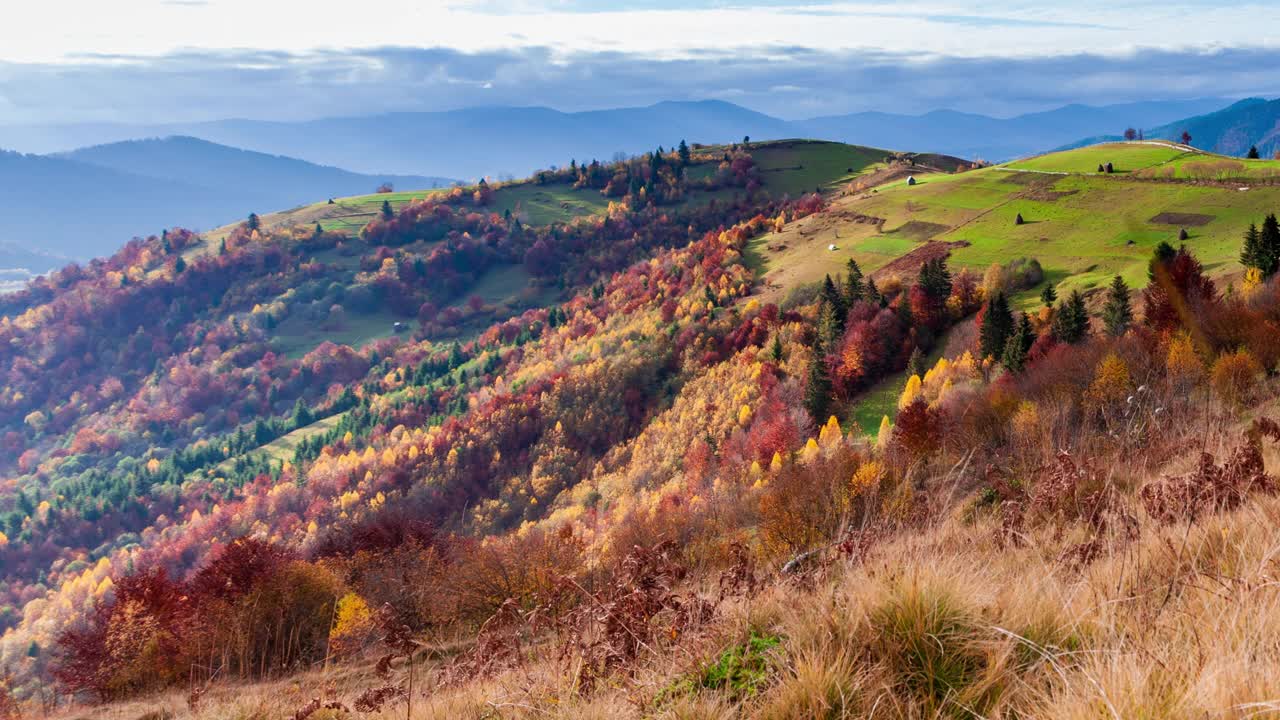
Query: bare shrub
[(1212, 487)]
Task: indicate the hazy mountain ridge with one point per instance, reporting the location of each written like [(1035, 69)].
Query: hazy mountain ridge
[(138, 187), (999, 139), (1232, 130), (190, 159), (493, 141)]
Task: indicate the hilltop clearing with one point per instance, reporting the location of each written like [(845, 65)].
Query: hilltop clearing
[(1082, 225)]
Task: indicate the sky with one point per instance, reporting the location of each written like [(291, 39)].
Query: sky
[(149, 61)]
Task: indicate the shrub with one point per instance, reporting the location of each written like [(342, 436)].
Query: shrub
[(1185, 369), (1111, 385), (804, 505), (1235, 377), (816, 687), (931, 642), (918, 430)]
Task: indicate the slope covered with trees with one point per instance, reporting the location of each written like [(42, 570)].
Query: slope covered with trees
[(659, 463), (120, 432)]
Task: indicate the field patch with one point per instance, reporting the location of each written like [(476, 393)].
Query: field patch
[(919, 230), (1123, 157), (1184, 219), (910, 263), (1045, 194), (1025, 178)]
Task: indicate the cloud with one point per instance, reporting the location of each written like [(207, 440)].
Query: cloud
[(790, 82)]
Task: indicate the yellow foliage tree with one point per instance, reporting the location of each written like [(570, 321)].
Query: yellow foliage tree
[(885, 434), (1252, 280), (810, 451), (866, 477), (1235, 377), (1111, 383), (831, 435), (1025, 423), (1183, 363), (352, 623), (910, 392)]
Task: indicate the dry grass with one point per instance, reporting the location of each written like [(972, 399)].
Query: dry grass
[(947, 622)]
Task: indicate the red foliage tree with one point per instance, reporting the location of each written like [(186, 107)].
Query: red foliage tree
[(918, 430), (1177, 292)]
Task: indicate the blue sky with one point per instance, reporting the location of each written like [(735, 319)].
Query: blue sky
[(158, 60)]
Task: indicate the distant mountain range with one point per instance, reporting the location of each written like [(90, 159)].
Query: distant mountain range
[(497, 141), (998, 139), (83, 202), (89, 202), (1253, 122), (1232, 130)]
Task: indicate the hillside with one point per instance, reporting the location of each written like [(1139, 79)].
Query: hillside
[(135, 188), (620, 458), (110, 205), (1233, 130), (1230, 131), (1084, 227)]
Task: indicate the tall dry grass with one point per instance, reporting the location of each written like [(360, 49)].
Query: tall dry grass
[(946, 621)]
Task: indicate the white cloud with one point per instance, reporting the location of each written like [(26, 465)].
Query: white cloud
[(183, 60), (58, 30)]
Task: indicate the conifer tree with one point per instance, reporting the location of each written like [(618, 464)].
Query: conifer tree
[(254, 223), (387, 212), (873, 293), (1014, 357), (776, 351), (1117, 314), (935, 279), (1161, 256), (1269, 243), (830, 327), (1071, 321), (905, 316), (683, 152), (997, 324), (1253, 152), (817, 392), (301, 416), (1048, 295), (915, 365), (854, 289), (833, 298)]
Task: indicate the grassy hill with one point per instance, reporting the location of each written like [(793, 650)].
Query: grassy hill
[(1084, 227), (787, 169)]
